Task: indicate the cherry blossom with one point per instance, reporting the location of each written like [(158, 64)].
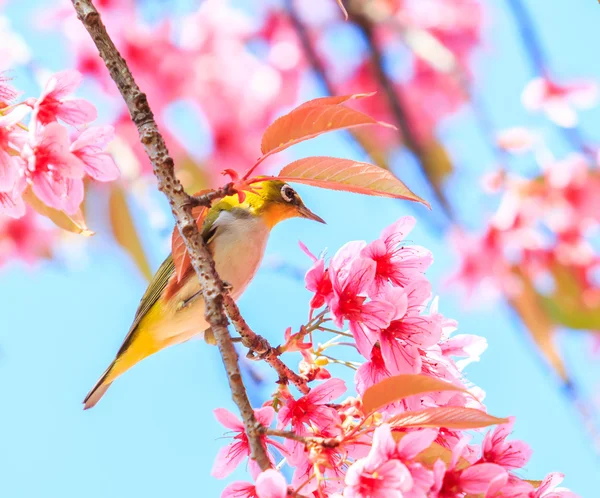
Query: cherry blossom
[(54, 172), (232, 455), (53, 103)]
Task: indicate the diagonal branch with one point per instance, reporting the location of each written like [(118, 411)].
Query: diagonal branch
[(181, 205)]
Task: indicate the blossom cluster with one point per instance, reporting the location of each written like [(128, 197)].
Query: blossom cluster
[(45, 163), (543, 228), (43, 157), (342, 448)]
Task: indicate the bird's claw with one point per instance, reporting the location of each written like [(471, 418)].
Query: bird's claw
[(227, 286)]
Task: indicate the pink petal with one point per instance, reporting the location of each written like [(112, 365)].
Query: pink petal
[(477, 478), (400, 357), (239, 489), (11, 204), (101, 167), (97, 137), (8, 172), (271, 484), (74, 195), (396, 232), (534, 94), (365, 338), (76, 112), (306, 251), (561, 113), (383, 446), (265, 415), (327, 392), (228, 419), (63, 83), (228, 458), (415, 442)]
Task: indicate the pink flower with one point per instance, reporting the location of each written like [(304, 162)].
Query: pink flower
[(89, 148), (231, 455), (317, 280), (558, 102), (269, 484), (312, 408), (52, 104), (409, 331), (510, 455), (387, 480), (549, 489), (53, 171), (395, 263), (351, 277), (371, 372), (405, 451), (11, 138), (450, 482)]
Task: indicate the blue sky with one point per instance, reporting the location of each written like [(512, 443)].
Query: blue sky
[(154, 434)]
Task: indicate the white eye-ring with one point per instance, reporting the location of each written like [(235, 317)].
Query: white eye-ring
[(287, 193)]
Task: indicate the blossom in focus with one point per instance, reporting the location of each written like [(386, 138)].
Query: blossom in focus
[(559, 102), (89, 148), (508, 454), (396, 263), (311, 409), (550, 489), (232, 455), (53, 104), (351, 277), (55, 173)]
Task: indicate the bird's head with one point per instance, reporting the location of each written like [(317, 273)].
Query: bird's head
[(275, 201)]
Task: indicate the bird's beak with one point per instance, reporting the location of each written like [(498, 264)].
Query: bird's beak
[(309, 215)]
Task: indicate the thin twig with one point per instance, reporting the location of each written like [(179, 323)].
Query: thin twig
[(258, 345), (181, 205), (395, 100)]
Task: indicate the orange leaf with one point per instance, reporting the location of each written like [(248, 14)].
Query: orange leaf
[(344, 174), (181, 258), (124, 230), (312, 119), (332, 100), (71, 222), (450, 417), (436, 452), (401, 386)]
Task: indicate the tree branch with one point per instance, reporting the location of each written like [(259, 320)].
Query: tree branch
[(257, 344), (181, 206)]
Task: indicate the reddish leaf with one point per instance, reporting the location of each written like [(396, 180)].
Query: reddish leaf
[(450, 417), (71, 222), (308, 122), (401, 386), (181, 258), (124, 230), (344, 174), (332, 100), (437, 452)]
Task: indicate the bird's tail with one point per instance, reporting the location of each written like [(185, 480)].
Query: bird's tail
[(99, 389)]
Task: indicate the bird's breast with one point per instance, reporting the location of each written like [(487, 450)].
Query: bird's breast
[(238, 247)]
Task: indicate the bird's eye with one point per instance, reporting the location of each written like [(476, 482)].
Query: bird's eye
[(287, 193)]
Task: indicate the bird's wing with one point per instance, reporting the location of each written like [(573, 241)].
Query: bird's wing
[(161, 279), (153, 292)]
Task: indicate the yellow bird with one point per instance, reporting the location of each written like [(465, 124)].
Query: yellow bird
[(172, 312)]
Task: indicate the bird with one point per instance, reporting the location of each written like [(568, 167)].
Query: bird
[(171, 311)]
